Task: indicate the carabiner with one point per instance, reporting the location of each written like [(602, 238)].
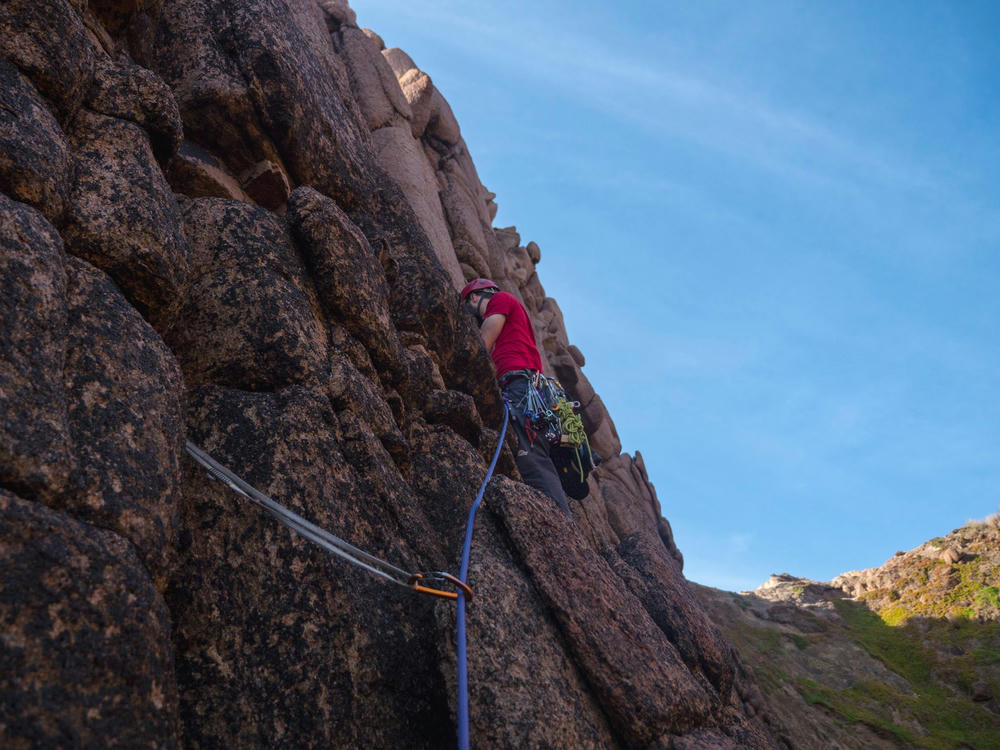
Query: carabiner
[(439, 576)]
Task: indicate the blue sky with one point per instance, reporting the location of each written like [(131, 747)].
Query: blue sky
[(774, 230)]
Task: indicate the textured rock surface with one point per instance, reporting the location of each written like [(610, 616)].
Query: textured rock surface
[(86, 652), (122, 216), (245, 224), (34, 433), (123, 388), (248, 318), (34, 156)]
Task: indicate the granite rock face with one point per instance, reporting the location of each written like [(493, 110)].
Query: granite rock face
[(87, 656), (35, 449), (245, 224)]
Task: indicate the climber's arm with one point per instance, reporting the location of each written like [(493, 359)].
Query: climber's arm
[(490, 330)]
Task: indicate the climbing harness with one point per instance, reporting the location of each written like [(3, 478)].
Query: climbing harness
[(326, 540), (463, 677)]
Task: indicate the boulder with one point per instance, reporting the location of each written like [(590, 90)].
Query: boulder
[(271, 88), (950, 556), (126, 91), (249, 318), (607, 629), (348, 275), (399, 154), (47, 41), (455, 409), (337, 13), (349, 390), (470, 234), (378, 93)]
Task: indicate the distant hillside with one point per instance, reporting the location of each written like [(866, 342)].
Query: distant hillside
[(903, 655), (951, 576)]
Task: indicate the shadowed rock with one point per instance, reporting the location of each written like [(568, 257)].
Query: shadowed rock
[(86, 649), (274, 638), (124, 391), (34, 156), (249, 319), (655, 578), (47, 41), (320, 351), (269, 88), (195, 173), (126, 91), (123, 217), (349, 389), (35, 453), (349, 277)]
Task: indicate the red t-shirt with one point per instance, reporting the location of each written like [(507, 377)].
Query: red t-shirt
[(515, 347)]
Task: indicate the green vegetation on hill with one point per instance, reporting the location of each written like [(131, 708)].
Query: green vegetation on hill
[(941, 680), (913, 661), (933, 710), (939, 589), (967, 584)]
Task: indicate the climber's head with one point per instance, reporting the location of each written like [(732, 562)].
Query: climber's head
[(475, 292), (478, 285)]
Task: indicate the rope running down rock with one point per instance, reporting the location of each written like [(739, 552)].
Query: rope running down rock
[(463, 677)]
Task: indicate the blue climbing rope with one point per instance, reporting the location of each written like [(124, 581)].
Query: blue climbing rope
[(463, 675)]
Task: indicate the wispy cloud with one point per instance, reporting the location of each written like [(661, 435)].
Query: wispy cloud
[(639, 90), (740, 543)]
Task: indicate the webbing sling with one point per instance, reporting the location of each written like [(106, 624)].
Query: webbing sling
[(324, 538)]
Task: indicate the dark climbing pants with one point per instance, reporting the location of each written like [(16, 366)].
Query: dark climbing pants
[(532, 457)]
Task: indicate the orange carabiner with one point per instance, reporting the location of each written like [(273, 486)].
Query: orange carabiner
[(439, 576)]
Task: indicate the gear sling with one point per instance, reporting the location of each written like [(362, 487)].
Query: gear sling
[(550, 422)]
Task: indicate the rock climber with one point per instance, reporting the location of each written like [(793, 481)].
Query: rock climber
[(510, 340)]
